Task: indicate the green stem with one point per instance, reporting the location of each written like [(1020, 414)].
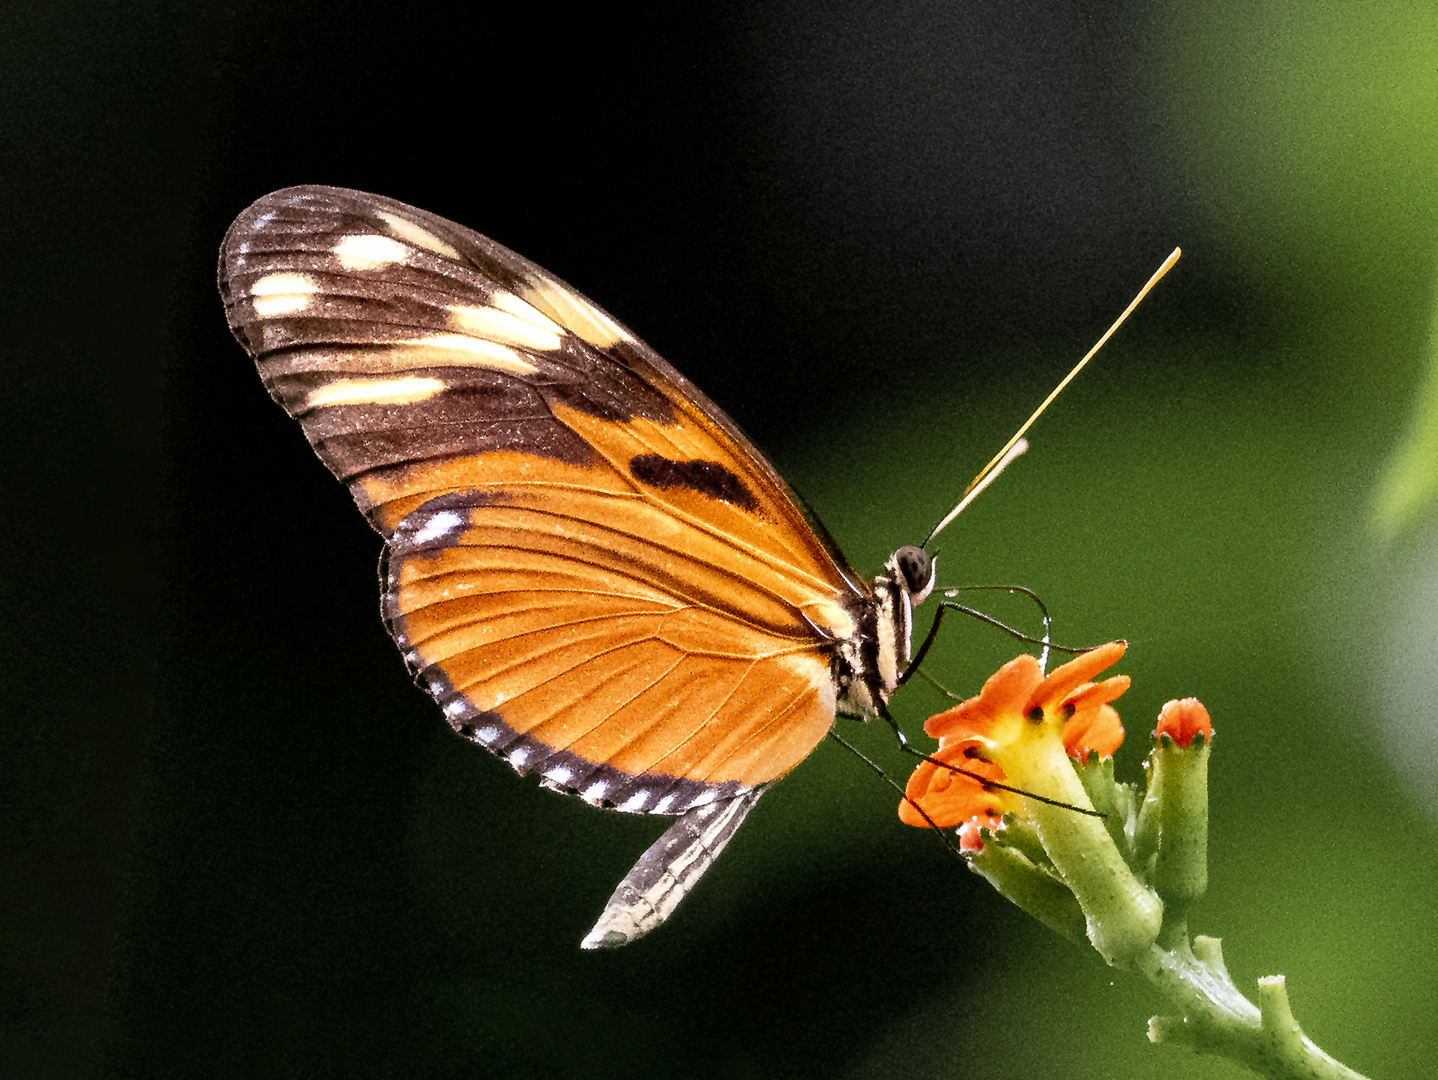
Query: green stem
[(1214, 1017)]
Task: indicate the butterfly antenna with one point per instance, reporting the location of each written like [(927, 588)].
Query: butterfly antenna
[(1016, 445)]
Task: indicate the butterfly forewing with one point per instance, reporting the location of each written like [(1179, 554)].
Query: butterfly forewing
[(592, 570)]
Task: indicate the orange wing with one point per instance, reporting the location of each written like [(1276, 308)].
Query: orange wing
[(592, 570)]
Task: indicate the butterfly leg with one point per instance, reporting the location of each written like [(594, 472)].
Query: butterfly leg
[(666, 872), (1018, 635)]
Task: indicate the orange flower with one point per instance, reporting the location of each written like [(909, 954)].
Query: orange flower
[(1183, 719), (1015, 719)]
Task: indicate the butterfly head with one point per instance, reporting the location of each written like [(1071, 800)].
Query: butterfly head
[(914, 569)]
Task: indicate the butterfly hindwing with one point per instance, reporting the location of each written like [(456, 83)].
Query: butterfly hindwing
[(588, 565), (665, 873)]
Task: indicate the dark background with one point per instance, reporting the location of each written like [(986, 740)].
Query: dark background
[(238, 842)]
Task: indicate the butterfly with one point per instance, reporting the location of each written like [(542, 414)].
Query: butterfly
[(587, 564)]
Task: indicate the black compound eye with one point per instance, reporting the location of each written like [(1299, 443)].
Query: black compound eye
[(918, 569)]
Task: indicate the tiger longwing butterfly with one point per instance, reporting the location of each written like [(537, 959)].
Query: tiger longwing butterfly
[(590, 568)]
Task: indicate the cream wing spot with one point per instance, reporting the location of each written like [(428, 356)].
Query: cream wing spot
[(282, 294), (419, 237), (503, 328), (435, 351), (404, 391), (507, 301), (457, 350), (366, 251), (573, 312)]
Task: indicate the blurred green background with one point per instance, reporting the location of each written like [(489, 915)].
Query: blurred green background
[(239, 843)]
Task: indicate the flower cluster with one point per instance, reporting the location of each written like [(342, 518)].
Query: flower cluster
[(1012, 721), (1024, 771)]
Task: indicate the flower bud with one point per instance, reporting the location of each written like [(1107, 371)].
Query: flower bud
[(1171, 840)]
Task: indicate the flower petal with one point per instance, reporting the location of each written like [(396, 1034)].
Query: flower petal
[(1094, 725), (1003, 696), (1063, 681), (949, 797)]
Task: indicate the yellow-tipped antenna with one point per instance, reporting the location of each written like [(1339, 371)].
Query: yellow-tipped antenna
[(1015, 446)]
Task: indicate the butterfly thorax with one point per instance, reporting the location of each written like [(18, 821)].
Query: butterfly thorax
[(869, 665)]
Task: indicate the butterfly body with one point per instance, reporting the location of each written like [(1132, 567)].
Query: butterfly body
[(588, 566)]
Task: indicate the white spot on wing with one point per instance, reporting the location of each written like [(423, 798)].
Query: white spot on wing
[(486, 735), (595, 791), (403, 391), (559, 774), (366, 251), (504, 328), (507, 301), (458, 350), (438, 527), (520, 755), (420, 237), (573, 312), (282, 294), (635, 802), (663, 805)]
